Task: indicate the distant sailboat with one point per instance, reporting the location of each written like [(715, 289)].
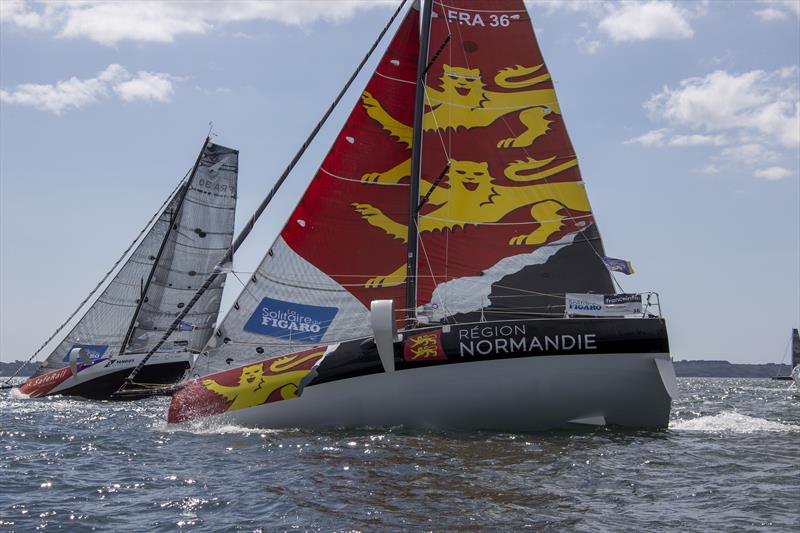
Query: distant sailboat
[(451, 208), (795, 351), (181, 248)]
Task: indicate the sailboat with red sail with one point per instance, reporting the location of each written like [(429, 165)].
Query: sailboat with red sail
[(428, 275)]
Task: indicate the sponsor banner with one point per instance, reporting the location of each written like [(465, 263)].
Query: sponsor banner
[(95, 351), (267, 381), (486, 341), (424, 347), (603, 304), (290, 321)]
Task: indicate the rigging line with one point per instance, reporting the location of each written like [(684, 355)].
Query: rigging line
[(436, 124), (173, 221), (102, 281), (430, 268), (264, 203), (244, 286)]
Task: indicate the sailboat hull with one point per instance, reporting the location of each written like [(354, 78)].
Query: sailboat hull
[(102, 379), (630, 386), (527, 394)]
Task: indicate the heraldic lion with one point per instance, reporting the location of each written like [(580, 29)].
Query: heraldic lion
[(464, 102), (472, 197), (255, 388)]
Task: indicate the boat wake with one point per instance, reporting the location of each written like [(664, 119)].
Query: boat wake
[(207, 427), (16, 394), (729, 421)]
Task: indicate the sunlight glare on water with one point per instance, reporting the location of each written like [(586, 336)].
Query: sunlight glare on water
[(728, 461)]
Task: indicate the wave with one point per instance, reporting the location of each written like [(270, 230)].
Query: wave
[(210, 428), (733, 422)]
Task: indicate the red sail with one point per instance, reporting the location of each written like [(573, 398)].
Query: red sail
[(513, 197), (333, 225)]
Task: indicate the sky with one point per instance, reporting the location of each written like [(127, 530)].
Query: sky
[(685, 117)]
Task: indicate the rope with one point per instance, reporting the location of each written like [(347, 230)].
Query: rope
[(102, 281)]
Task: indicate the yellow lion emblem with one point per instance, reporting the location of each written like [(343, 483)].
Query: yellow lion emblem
[(254, 387), (473, 198), (464, 101)]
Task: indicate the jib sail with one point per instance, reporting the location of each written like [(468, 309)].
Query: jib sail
[(316, 282), (189, 237)]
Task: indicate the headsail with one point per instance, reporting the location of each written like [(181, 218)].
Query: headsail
[(312, 286), (795, 348), (208, 204)]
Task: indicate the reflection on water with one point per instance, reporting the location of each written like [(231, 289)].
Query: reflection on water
[(728, 461)]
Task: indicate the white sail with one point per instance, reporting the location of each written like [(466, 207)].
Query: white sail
[(164, 265)]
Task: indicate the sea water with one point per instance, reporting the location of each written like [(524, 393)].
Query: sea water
[(730, 461)]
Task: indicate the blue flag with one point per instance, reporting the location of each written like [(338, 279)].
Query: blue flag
[(618, 265)]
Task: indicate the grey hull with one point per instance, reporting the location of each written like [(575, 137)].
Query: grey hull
[(516, 394)]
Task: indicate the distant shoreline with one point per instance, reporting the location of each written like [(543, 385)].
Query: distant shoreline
[(683, 369), (725, 369)]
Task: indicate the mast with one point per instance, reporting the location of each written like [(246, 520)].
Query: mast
[(250, 224), (172, 218), (416, 162)]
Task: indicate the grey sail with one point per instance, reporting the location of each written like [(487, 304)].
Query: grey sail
[(170, 256), (103, 327), (199, 238), (795, 348)]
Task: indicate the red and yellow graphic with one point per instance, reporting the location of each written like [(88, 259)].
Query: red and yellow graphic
[(492, 128), (424, 347), (267, 381)]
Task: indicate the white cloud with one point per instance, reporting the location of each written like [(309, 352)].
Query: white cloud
[(662, 137), (772, 173), (750, 154), (145, 86), (698, 140), (711, 168), (635, 21), (778, 9), (756, 101), (770, 13), (75, 93), (651, 138), (162, 21), (17, 12)]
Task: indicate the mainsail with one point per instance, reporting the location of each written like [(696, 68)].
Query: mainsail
[(169, 255), (509, 229), (504, 225)]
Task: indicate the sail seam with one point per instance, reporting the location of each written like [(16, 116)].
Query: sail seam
[(331, 174)]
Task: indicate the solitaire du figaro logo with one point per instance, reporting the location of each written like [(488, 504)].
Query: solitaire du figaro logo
[(289, 320)]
